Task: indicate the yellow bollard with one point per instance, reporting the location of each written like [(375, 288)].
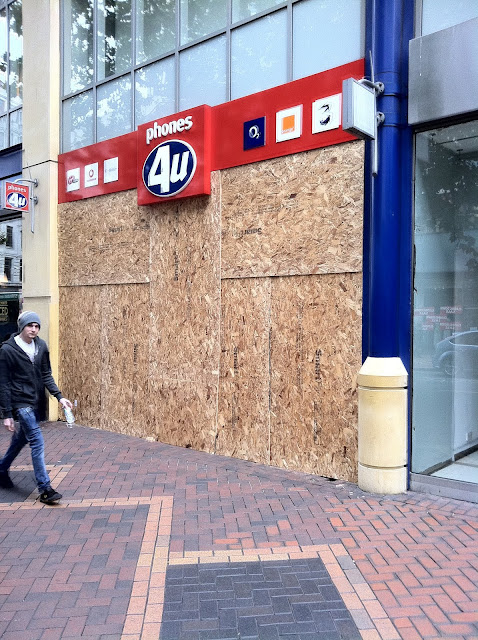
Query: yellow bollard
[(382, 426)]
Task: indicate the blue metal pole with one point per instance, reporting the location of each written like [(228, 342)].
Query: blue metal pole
[(387, 229)]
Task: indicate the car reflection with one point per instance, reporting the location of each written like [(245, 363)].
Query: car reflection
[(458, 354)]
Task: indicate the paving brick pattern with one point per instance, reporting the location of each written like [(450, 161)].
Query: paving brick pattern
[(137, 515), (255, 601)]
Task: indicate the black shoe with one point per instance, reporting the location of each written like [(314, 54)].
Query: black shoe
[(5, 481), (50, 496)]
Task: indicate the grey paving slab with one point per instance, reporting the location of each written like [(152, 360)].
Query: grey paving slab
[(275, 589)]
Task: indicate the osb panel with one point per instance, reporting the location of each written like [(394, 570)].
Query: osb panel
[(125, 398), (185, 411), (315, 358), (80, 351), (301, 214), (185, 312), (104, 240), (243, 415)]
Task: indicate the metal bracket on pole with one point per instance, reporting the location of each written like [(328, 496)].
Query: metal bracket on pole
[(359, 111), (378, 88), (33, 198)]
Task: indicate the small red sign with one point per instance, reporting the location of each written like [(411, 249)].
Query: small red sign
[(17, 196)]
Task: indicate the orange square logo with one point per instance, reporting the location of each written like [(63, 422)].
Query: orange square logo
[(288, 124)]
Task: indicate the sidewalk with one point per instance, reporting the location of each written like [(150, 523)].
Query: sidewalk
[(154, 541)]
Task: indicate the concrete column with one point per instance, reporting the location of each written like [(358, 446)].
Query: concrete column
[(41, 129), (382, 427)]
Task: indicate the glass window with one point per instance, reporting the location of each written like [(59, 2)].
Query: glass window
[(199, 18), (3, 61), (77, 45), (441, 14), (202, 74), (155, 28), (242, 9), (445, 366), (326, 34), (78, 121), (155, 91), (259, 55), (188, 52), (114, 37), (113, 111), (15, 78), (16, 127)]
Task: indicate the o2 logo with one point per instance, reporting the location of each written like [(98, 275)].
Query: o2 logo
[(169, 168)]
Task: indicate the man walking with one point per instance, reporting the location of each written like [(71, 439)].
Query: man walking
[(25, 372)]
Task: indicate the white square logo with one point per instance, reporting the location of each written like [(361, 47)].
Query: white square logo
[(289, 124), (326, 113), (73, 179), (110, 170), (91, 175)]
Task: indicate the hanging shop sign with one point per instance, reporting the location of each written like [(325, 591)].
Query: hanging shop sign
[(172, 157), (16, 197)]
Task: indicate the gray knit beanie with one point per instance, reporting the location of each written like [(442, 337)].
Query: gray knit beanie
[(26, 318)]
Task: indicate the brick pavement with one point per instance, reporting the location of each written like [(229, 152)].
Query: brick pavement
[(153, 541)]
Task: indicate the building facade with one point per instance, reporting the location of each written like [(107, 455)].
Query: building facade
[(222, 264)]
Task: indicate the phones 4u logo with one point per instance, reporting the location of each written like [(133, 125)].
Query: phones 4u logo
[(169, 168)]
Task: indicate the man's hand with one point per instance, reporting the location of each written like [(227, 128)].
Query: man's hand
[(66, 403), (8, 424)]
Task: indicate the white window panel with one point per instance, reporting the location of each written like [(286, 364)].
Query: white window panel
[(259, 55), (202, 74), (113, 109), (155, 91)]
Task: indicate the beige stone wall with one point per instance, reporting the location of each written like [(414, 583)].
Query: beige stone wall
[(230, 323)]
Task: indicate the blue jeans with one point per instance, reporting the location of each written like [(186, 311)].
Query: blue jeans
[(28, 431)]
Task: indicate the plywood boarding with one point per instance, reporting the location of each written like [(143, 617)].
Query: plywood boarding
[(301, 214), (126, 402), (185, 314), (104, 240), (243, 416), (315, 357), (80, 351)]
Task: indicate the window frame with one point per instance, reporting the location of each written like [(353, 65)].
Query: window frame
[(6, 4)]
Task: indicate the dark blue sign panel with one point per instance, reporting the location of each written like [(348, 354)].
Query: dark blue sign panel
[(169, 168), (254, 133)]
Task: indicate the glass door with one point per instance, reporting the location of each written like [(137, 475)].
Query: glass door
[(445, 342)]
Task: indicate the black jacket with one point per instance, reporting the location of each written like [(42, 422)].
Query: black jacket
[(22, 382)]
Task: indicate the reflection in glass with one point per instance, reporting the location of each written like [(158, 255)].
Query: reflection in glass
[(15, 80), (3, 132), (201, 17), (3, 61), (155, 91), (77, 45), (114, 37), (445, 343), (441, 14), (242, 9), (78, 121), (258, 55), (16, 127), (203, 74), (318, 28), (155, 28), (113, 111)]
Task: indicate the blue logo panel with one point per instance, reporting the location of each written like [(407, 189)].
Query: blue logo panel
[(169, 168), (254, 133)]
